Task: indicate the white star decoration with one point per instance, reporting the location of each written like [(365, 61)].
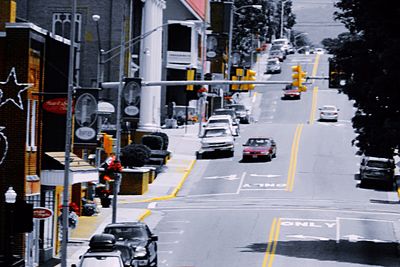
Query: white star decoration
[(4, 137), (16, 99)]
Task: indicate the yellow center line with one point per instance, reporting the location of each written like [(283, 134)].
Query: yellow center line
[(276, 238), (315, 67), (293, 158), (313, 105), (270, 238)]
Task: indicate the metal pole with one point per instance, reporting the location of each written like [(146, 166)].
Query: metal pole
[(230, 42), (282, 5), (98, 55), (68, 140), (118, 134)]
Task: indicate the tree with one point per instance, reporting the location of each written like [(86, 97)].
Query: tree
[(369, 56)]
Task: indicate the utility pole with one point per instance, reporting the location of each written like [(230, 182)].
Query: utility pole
[(68, 140)]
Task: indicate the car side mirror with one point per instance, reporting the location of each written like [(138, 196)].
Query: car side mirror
[(154, 238), (338, 109)]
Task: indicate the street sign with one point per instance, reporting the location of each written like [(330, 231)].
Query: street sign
[(42, 213)]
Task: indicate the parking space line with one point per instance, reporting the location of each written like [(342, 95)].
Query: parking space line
[(241, 182), (337, 230)]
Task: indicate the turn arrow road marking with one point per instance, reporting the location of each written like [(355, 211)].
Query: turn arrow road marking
[(231, 177), (309, 237), (265, 175)]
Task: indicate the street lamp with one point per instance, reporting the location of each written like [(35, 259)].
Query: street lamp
[(282, 5), (10, 198), (234, 9), (96, 19)]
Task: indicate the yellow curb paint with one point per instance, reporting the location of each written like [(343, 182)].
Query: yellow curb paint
[(176, 190), (313, 105), (398, 192), (144, 215), (293, 158)]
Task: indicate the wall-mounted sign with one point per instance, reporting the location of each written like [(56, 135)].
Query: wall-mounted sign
[(86, 116), (131, 98), (179, 57), (56, 105), (42, 213)]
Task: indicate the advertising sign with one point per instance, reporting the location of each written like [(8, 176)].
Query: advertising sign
[(41, 213), (131, 98), (86, 116)]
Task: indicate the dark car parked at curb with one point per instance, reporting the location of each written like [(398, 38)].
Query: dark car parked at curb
[(137, 243), (261, 147), (377, 169)]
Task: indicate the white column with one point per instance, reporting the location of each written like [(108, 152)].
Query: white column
[(150, 65)]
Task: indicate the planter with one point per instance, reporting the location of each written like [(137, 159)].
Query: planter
[(135, 181), (105, 202)]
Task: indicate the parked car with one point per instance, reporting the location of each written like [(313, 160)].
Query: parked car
[(217, 120), (136, 240), (284, 43), (261, 147), (379, 169), (273, 66), (319, 51), (216, 139), (328, 113), (102, 252), (242, 113)]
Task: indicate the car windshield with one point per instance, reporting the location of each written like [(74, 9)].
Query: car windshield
[(224, 112), (258, 142), (280, 42), (215, 133), (272, 63), (276, 47), (238, 107), (126, 233), (329, 108), (378, 164), (218, 121), (101, 261)]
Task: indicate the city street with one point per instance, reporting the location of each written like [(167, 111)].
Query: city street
[(304, 207)]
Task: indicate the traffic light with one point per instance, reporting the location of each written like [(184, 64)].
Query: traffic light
[(298, 78), (190, 77), (250, 76), (337, 77), (107, 143)]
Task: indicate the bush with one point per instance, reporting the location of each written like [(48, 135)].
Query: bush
[(135, 155), (165, 138), (153, 142)]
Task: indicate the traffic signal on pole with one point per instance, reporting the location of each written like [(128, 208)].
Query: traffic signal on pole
[(337, 77), (107, 143), (250, 76), (235, 86), (299, 78), (190, 77)]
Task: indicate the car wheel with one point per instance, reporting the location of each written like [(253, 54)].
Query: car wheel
[(274, 155), (199, 155), (269, 158), (155, 262)]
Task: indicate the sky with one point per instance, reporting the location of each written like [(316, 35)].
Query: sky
[(316, 18)]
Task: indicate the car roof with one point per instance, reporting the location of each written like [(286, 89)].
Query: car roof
[(223, 109), (97, 253), (329, 106), (125, 224), (259, 138), (377, 159), (220, 117)]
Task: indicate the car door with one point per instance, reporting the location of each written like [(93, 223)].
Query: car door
[(152, 245)]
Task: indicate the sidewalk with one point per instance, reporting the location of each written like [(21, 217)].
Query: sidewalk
[(183, 142)]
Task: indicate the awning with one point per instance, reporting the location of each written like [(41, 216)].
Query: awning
[(80, 171)]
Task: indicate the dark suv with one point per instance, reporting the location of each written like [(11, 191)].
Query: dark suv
[(136, 242), (373, 168)]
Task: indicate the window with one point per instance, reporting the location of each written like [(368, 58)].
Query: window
[(31, 110), (48, 223), (62, 25)]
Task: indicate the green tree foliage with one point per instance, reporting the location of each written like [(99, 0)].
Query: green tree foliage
[(369, 55), (252, 24)]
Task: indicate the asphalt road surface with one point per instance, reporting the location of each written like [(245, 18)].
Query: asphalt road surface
[(303, 208)]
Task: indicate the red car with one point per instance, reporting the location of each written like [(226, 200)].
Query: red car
[(291, 92), (261, 147)]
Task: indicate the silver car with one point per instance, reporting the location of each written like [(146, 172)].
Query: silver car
[(328, 113)]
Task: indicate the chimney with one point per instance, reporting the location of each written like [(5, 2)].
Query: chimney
[(8, 13)]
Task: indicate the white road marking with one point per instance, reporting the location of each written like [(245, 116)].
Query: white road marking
[(165, 251), (152, 205), (309, 237), (354, 238), (337, 230), (173, 232), (231, 177), (167, 243), (184, 221), (265, 175), (241, 182), (264, 185), (262, 189), (306, 223)]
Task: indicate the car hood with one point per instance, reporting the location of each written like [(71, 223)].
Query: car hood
[(212, 140)]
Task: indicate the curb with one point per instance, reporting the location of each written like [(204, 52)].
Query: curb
[(145, 214), (176, 190)]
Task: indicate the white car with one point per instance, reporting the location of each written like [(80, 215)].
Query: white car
[(218, 140), (328, 113), (319, 51), (222, 120)]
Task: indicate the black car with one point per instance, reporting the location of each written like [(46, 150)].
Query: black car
[(136, 242)]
